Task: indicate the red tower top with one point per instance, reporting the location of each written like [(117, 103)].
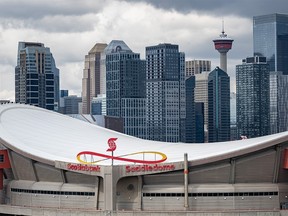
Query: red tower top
[(223, 43)]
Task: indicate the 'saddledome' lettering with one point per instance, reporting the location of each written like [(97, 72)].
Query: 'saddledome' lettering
[(149, 168), (81, 167)]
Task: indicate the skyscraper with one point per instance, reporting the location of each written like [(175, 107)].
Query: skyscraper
[(253, 102), (199, 121), (218, 106), (92, 75), (193, 67), (223, 44), (36, 75), (55, 71), (165, 87), (125, 87), (201, 93), (270, 40), (190, 124), (70, 104), (278, 102)]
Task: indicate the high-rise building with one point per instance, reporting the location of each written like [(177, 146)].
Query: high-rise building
[(233, 118), (70, 104), (201, 93), (165, 87), (125, 87), (64, 93), (55, 71), (36, 75), (199, 121), (218, 106), (253, 97), (190, 132), (223, 44), (92, 76), (278, 102), (193, 67), (270, 40), (98, 105)]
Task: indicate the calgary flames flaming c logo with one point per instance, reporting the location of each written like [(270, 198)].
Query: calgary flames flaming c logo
[(111, 144)]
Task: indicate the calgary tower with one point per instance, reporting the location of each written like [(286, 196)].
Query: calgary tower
[(223, 44)]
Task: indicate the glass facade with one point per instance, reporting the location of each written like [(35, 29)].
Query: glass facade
[(270, 39), (199, 121), (218, 106), (253, 98), (36, 76), (125, 87), (190, 124), (165, 91), (278, 102)]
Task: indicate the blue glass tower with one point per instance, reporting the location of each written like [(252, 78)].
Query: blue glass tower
[(125, 87), (270, 39), (218, 106), (190, 125)]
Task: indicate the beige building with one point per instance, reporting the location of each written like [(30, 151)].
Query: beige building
[(93, 76), (193, 67), (201, 93)]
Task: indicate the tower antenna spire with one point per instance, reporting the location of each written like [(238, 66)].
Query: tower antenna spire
[(223, 44)]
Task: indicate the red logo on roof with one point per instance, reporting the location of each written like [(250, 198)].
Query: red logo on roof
[(111, 144)]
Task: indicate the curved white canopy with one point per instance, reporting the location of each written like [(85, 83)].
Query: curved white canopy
[(49, 136)]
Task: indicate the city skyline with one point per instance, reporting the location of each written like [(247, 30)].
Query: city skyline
[(70, 29)]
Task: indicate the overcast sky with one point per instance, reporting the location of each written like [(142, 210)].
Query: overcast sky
[(71, 28)]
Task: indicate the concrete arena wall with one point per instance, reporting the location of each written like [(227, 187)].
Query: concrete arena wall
[(14, 210)]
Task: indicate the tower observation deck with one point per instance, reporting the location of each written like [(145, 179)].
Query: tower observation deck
[(223, 44)]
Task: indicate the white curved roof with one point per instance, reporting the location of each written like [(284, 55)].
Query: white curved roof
[(49, 136)]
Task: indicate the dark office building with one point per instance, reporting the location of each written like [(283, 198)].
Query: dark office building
[(253, 97), (70, 104), (189, 135), (64, 93), (270, 39), (218, 106), (125, 87), (199, 120), (36, 76)]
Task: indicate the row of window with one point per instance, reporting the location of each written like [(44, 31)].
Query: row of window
[(53, 192), (275, 193)]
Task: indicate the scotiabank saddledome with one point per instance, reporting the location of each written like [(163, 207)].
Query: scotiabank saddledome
[(49, 160)]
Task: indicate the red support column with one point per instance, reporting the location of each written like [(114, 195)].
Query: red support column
[(285, 161)]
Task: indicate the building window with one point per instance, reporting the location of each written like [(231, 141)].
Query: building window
[(1, 158)]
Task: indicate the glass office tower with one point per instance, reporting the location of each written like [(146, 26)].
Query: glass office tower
[(270, 39), (36, 76), (278, 102), (125, 87), (253, 97), (218, 106), (165, 87)]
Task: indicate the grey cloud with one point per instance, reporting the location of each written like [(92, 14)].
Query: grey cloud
[(245, 8), (37, 9), (50, 24)]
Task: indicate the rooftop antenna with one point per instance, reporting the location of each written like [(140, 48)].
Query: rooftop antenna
[(223, 35)]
